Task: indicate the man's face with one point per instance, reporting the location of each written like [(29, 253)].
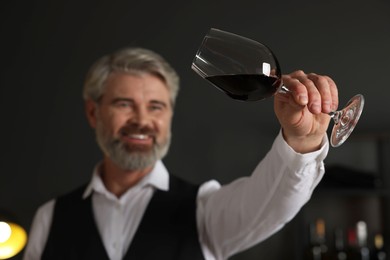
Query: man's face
[(133, 120)]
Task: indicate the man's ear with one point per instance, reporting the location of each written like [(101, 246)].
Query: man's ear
[(90, 112)]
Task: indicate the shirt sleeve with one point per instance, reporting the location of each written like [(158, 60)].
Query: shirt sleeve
[(39, 231), (245, 212)]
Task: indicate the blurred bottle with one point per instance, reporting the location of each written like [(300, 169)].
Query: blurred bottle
[(357, 242), (339, 244), (378, 253), (362, 234), (318, 247)]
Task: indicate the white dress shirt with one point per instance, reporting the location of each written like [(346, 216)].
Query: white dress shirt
[(230, 218)]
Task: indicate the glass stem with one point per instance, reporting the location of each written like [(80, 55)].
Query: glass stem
[(335, 115), (284, 89)]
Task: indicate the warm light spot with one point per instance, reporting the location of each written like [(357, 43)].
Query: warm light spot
[(5, 231), (13, 238)]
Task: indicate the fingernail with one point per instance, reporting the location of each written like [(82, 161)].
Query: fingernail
[(303, 99)]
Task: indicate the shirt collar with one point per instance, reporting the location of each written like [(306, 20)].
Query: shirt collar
[(157, 178)]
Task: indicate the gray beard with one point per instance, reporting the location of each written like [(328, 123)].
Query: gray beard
[(124, 157)]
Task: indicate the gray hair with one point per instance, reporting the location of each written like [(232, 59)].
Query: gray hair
[(132, 61)]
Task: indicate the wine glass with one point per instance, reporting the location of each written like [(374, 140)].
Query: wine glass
[(247, 70)]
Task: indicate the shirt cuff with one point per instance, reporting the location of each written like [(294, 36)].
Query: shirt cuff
[(294, 159)]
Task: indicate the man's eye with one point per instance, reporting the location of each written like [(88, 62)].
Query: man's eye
[(122, 104), (156, 107)]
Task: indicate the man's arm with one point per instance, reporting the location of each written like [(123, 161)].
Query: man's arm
[(247, 211), (250, 209)]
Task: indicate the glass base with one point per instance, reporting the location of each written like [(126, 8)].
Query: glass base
[(346, 120)]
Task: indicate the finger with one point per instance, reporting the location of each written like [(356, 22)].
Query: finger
[(323, 86), (303, 85), (334, 93), (297, 89), (314, 95)]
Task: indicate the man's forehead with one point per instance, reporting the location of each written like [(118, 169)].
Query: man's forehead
[(145, 86)]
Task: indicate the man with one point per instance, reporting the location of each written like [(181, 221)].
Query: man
[(134, 209)]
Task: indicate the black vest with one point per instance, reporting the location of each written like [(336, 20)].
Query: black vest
[(167, 231)]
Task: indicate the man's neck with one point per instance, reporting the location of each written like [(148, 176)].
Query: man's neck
[(117, 180)]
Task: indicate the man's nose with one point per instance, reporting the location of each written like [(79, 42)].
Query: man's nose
[(141, 118)]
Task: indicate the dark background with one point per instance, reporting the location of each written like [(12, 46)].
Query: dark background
[(46, 47)]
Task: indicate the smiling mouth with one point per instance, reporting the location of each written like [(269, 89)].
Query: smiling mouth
[(139, 136)]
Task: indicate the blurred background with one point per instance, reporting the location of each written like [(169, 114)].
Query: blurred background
[(47, 147)]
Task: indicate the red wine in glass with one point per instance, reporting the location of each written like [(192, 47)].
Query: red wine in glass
[(246, 87)]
